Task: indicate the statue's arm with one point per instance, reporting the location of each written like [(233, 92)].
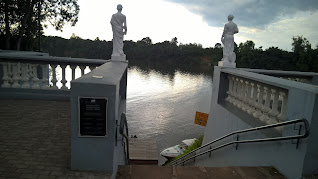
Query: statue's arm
[(125, 25), (236, 30), (111, 20), (222, 37)]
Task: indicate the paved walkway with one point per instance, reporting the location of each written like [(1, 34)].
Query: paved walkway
[(35, 140), (192, 172)]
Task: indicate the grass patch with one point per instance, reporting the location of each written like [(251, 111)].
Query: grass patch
[(197, 143)]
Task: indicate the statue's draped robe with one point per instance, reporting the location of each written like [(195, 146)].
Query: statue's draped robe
[(229, 30), (117, 21)]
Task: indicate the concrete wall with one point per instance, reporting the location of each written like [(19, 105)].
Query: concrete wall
[(102, 153), (302, 103)]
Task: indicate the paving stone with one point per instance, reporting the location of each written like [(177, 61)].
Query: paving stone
[(20, 166), (46, 177), (7, 169), (10, 175), (22, 170), (54, 168), (56, 173), (41, 172), (29, 176)]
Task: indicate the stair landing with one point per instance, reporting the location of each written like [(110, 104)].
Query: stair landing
[(143, 151), (193, 172)]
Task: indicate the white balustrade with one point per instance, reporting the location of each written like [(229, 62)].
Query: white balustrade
[(240, 104), (247, 96), (10, 73), (266, 108), (73, 67), (40, 71), (16, 75), (234, 89), (82, 67), (253, 102), (237, 92), (274, 110), (262, 101), (282, 116), (259, 104), (230, 91), (45, 79), (5, 77), (92, 67), (25, 76), (63, 81), (35, 78)]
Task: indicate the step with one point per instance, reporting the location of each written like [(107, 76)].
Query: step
[(192, 172)]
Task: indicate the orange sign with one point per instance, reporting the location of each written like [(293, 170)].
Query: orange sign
[(201, 118)]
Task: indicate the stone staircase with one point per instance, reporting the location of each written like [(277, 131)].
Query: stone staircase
[(193, 172)]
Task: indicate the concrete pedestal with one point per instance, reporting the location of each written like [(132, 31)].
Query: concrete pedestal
[(226, 64), (120, 58)]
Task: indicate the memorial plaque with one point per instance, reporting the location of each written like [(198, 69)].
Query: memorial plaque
[(92, 117)]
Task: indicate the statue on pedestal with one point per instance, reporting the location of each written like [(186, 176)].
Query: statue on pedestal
[(227, 39), (119, 27)]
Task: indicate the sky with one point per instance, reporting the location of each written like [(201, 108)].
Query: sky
[(266, 22)]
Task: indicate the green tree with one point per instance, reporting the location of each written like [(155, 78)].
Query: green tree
[(303, 53), (22, 16)]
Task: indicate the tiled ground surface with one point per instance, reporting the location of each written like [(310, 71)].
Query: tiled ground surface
[(191, 172), (35, 140)]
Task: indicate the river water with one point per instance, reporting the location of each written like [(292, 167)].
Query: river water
[(162, 101), (162, 104)]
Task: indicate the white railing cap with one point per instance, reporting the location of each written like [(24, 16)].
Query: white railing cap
[(38, 57)]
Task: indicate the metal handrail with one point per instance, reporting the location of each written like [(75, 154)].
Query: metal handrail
[(123, 123), (307, 131)]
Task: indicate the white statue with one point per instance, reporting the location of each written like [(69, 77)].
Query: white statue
[(227, 39), (119, 28)]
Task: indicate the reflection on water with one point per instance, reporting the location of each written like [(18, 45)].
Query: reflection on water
[(162, 106), (162, 101)]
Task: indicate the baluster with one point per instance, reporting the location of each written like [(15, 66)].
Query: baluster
[(259, 105), (282, 116), (45, 79), (253, 101), (54, 80), (5, 77), (238, 92), (82, 67), (234, 88), (35, 78), (16, 77), (73, 67), (25, 76), (92, 67), (63, 81), (266, 107), (247, 97), (10, 73), (274, 112), (29, 71), (229, 92), (242, 94)]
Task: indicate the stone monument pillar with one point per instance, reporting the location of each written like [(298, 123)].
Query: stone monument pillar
[(119, 27), (227, 39)]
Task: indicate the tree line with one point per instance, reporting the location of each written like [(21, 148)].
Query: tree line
[(21, 21), (302, 57)]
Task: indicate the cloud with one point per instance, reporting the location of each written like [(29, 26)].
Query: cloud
[(248, 13), (280, 33)]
